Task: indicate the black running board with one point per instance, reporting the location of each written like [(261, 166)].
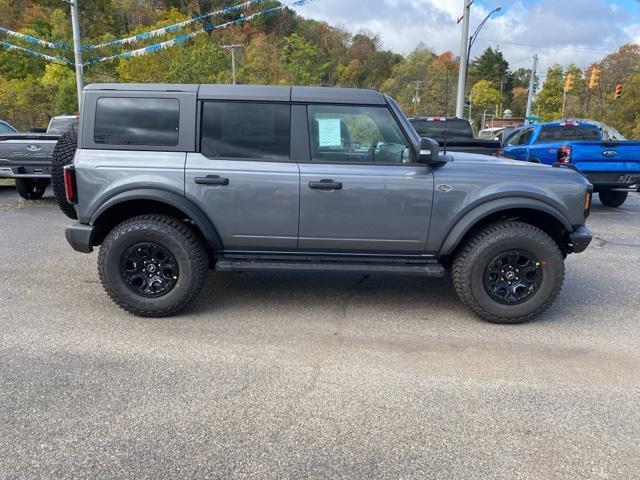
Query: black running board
[(269, 265)]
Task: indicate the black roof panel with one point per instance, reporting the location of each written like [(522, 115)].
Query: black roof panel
[(273, 93)]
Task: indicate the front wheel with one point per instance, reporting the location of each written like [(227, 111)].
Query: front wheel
[(612, 199), (508, 272), (31, 188), (152, 265)]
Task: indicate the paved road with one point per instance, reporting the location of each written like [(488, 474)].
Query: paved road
[(300, 376)]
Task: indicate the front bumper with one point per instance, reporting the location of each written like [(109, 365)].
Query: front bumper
[(80, 237), (580, 239)]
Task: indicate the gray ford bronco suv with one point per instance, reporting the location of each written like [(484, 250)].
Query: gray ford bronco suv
[(172, 180)]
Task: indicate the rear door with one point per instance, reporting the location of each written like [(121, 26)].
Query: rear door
[(243, 176), (362, 190)]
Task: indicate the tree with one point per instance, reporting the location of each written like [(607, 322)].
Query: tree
[(519, 102), (549, 102), (492, 66), (484, 96), (400, 83), (62, 80), (302, 61)]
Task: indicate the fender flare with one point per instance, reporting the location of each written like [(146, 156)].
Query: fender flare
[(482, 211), (169, 198)]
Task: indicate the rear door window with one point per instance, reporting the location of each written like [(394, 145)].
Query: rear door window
[(560, 133), (256, 131), (525, 137), (137, 121)]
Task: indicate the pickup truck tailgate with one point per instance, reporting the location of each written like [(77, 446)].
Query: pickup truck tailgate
[(622, 157), (25, 155)]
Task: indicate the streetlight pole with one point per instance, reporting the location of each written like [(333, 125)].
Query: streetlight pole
[(464, 52), (232, 48), (532, 83), (77, 50)]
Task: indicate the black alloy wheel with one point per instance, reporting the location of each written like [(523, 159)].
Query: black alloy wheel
[(512, 277), (149, 269)]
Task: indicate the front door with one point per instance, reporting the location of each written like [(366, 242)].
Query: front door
[(362, 191), (243, 177)]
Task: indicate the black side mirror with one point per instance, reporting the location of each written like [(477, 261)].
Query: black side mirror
[(37, 130), (429, 152)]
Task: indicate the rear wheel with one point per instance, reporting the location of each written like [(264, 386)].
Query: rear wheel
[(31, 188), (152, 265), (63, 154), (508, 272), (612, 199)]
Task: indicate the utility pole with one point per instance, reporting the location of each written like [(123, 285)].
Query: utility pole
[(416, 100), (532, 83), (464, 58), (233, 48), (77, 50)]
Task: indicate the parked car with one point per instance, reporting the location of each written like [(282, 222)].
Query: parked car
[(610, 164), (6, 128), (498, 134), (173, 179), (454, 134), (26, 157)]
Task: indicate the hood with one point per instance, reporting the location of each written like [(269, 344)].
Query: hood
[(478, 158)]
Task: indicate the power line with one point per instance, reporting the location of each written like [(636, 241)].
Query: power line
[(568, 49)]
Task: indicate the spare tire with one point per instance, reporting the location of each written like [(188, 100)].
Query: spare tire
[(63, 154)]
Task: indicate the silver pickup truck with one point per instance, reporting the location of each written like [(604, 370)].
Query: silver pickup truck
[(26, 157), (172, 180)]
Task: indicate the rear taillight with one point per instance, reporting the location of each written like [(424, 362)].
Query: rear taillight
[(499, 153), (70, 184), (564, 154)]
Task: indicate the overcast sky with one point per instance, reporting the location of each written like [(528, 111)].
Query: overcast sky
[(559, 31)]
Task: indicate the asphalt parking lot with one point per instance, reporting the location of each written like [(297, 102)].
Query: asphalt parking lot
[(301, 376)]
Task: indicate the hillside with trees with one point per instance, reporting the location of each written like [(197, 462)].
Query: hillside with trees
[(284, 48)]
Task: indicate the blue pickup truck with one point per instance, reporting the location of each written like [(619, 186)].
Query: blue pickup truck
[(611, 164)]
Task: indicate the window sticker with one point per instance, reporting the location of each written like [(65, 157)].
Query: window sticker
[(329, 132)]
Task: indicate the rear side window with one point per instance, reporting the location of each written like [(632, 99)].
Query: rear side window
[(260, 131), (137, 121), (525, 137), (560, 133)]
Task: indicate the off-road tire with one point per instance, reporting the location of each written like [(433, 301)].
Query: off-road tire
[(472, 259), (63, 154), (31, 188), (612, 199), (170, 234)]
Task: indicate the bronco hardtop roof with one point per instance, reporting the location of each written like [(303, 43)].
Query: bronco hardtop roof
[(255, 92)]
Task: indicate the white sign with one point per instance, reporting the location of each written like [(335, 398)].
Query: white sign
[(329, 132)]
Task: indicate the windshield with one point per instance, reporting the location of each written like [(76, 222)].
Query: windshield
[(558, 133), (436, 129), (60, 125)]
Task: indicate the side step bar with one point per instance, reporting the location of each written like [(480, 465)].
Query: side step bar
[(268, 265)]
